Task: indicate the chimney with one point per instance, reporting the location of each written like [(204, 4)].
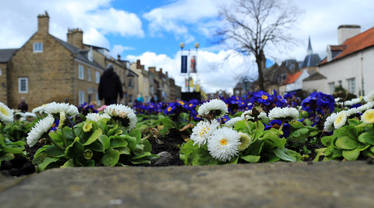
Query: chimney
[(138, 64), (43, 23), (347, 31), (160, 70), (75, 37), (152, 69), (119, 57)]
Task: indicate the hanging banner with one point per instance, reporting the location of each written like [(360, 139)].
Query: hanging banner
[(186, 82), (191, 83), (184, 64), (193, 65)]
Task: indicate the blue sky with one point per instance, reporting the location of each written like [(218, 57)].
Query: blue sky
[(151, 30)]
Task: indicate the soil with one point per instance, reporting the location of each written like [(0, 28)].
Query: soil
[(17, 167), (170, 143)]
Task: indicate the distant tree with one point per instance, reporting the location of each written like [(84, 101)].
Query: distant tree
[(253, 25)]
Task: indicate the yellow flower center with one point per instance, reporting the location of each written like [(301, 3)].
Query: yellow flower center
[(204, 131), (369, 117), (4, 111), (223, 142), (339, 119), (169, 109), (191, 104), (264, 97), (181, 102)]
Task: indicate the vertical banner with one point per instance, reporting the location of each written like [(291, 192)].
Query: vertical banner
[(184, 64), (193, 64), (186, 82)]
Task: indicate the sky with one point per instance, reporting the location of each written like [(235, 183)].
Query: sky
[(151, 30)]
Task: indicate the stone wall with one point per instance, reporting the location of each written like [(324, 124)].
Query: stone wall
[(49, 73), (3, 83)]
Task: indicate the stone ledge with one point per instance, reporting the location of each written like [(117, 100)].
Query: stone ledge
[(324, 184)]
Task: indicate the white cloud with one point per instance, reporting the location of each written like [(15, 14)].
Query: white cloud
[(96, 17), (119, 49), (215, 70)]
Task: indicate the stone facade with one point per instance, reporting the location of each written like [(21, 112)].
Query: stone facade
[(50, 67)]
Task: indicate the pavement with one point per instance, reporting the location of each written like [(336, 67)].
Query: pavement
[(322, 184)]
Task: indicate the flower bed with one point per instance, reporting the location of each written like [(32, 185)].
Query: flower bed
[(256, 128)]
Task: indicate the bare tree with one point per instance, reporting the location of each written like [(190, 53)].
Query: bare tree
[(253, 25)]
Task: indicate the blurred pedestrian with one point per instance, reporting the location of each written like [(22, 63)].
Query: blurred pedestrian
[(110, 86), (23, 105)]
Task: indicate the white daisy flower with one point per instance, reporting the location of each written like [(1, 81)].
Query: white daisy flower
[(247, 115), (287, 112), (39, 129), (202, 131), (370, 96), (368, 116), (54, 108), (232, 122), (329, 123), (365, 107), (6, 114), (262, 115), (96, 116), (40, 109), (123, 112), (341, 119), (213, 105), (352, 102), (338, 99), (223, 144)]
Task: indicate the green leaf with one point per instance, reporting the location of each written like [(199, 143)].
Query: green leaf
[(6, 157), (328, 140), (351, 155), (94, 136), (346, 143), (47, 161), (67, 132), (110, 158), (353, 122), (124, 150), (118, 141), (282, 154), (105, 141), (372, 149), (57, 137), (145, 154), (141, 162), (15, 150), (366, 138), (251, 158), (296, 124), (67, 164), (347, 131), (75, 151)]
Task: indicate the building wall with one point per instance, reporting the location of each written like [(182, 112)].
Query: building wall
[(86, 86), (3, 83), (315, 85), (358, 66), (49, 73), (143, 81)]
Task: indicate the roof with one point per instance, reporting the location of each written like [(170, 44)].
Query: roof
[(311, 60), (6, 54), (315, 76), (78, 53), (291, 78), (355, 44)]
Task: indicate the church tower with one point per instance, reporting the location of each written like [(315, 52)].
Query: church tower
[(309, 50)]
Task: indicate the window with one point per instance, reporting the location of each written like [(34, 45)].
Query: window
[(331, 87), (131, 84), (89, 75), (81, 97), (38, 47), (81, 72), (97, 77), (351, 85), (23, 85)]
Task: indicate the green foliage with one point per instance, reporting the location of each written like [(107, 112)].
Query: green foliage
[(349, 142), (93, 144), (8, 148)]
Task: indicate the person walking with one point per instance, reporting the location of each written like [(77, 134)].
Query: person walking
[(110, 86)]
